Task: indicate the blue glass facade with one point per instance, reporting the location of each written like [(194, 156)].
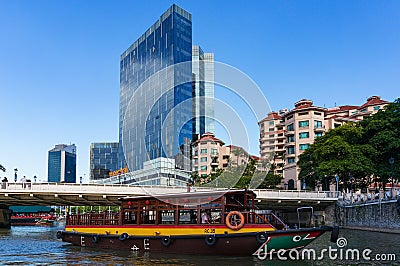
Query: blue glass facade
[(104, 158), (62, 164), (155, 98)]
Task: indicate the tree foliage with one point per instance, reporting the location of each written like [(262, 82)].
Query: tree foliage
[(357, 152)]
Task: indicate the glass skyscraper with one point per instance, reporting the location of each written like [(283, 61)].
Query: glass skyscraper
[(62, 164), (155, 118), (103, 159), (203, 91)]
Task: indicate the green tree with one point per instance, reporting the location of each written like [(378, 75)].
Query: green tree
[(382, 131), (341, 151)]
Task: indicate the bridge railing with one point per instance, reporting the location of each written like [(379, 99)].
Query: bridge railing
[(295, 194)]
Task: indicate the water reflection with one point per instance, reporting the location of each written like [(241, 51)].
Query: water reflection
[(33, 245)]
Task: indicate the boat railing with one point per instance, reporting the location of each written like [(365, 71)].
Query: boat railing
[(91, 218), (252, 217)]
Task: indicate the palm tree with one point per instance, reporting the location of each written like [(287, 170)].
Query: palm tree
[(2, 168)]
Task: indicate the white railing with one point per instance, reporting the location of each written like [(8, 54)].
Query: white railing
[(143, 190)]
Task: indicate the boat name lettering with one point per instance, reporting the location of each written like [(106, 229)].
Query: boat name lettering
[(135, 248), (83, 241), (209, 231), (146, 244)]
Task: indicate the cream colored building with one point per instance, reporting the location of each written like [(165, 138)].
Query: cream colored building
[(209, 154), (301, 126)]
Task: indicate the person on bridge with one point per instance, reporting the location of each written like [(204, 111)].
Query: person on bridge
[(23, 181), (4, 184)]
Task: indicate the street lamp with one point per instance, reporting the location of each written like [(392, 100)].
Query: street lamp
[(80, 180), (15, 175), (351, 187), (35, 177), (391, 161), (337, 184)]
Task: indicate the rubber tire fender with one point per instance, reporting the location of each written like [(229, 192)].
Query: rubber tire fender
[(123, 236), (95, 239), (59, 234), (166, 241), (210, 240), (335, 234), (261, 237)]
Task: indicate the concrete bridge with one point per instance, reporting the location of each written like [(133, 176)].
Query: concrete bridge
[(67, 194)]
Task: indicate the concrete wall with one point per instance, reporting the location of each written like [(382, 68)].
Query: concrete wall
[(384, 215)]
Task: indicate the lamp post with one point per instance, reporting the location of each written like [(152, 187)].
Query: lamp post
[(337, 184), (351, 187), (35, 177), (391, 161), (80, 180), (15, 175)]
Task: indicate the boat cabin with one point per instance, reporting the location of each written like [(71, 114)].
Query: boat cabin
[(191, 208)]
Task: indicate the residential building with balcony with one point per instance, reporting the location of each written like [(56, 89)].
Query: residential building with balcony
[(302, 126), (209, 154)]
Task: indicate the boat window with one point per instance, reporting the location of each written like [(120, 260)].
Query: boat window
[(148, 215), (188, 216), (167, 216)]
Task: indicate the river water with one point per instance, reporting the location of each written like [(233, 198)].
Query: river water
[(35, 245)]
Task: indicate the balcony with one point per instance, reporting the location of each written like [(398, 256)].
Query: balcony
[(319, 129), (289, 132)]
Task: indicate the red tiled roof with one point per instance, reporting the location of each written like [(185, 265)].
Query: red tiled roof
[(373, 100), (208, 136), (271, 116), (342, 108)]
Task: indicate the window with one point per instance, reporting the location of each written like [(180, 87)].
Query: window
[(262, 125), (203, 159), (271, 123), (317, 124), (203, 168), (271, 136), (304, 135), (318, 134), (290, 139), (304, 147), (291, 160), (214, 151), (336, 125), (196, 168), (271, 141), (290, 150), (196, 161), (196, 152), (303, 113), (317, 113), (364, 110), (203, 151), (289, 117), (271, 129), (377, 108), (290, 127), (304, 123)]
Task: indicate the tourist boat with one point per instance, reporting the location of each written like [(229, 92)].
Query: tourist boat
[(31, 215), (174, 223)]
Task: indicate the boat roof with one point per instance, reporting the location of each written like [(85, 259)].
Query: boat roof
[(31, 209), (214, 194)]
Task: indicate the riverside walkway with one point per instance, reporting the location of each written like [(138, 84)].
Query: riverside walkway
[(61, 194)]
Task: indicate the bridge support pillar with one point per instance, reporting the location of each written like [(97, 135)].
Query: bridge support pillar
[(5, 216)]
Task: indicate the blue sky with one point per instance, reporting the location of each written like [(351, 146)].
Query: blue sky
[(59, 62)]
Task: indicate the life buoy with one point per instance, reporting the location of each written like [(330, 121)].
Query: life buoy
[(210, 240), (335, 234), (95, 239), (261, 237), (166, 241), (232, 220), (59, 234), (123, 236)]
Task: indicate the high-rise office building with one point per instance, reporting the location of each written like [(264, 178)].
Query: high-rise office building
[(62, 164), (203, 91), (103, 159), (156, 94)]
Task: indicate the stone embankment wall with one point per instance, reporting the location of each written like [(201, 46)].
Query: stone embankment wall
[(379, 215)]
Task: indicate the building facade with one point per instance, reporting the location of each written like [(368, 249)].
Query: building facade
[(209, 154), (297, 129), (104, 158), (203, 91), (62, 164), (156, 106)]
